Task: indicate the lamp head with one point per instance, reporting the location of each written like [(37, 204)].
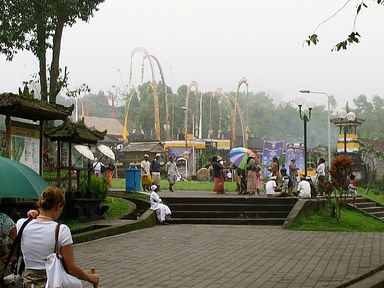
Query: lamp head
[(342, 113), (300, 101), (351, 116), (305, 91)]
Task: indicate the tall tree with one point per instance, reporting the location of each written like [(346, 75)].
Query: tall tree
[(37, 26)]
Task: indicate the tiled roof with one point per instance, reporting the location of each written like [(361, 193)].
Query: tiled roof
[(112, 125), (154, 147), (31, 108), (74, 132)]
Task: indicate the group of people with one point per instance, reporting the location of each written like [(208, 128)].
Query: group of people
[(150, 172), (38, 241), (281, 182)]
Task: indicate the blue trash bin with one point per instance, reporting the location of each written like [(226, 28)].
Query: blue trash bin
[(132, 179)]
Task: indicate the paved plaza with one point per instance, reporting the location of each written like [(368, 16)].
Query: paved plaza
[(230, 256)]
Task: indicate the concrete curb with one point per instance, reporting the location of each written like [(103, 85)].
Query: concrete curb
[(146, 220), (371, 279)]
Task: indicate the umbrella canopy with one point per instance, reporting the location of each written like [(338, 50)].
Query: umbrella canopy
[(106, 151), (239, 156), (85, 151), (19, 181)]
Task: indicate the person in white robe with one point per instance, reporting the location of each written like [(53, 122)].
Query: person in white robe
[(304, 188), (163, 213)]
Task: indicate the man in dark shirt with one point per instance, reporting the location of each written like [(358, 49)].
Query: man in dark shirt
[(155, 171)]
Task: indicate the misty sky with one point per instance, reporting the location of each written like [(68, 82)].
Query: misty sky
[(217, 42)]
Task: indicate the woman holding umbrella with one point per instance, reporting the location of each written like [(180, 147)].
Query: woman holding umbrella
[(218, 175)]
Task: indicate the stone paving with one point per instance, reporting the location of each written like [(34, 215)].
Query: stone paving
[(230, 256)]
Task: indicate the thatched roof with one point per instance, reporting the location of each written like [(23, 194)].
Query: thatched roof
[(112, 125), (28, 107), (74, 132)]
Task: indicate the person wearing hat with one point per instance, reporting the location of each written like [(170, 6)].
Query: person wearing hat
[(163, 213), (155, 170), (145, 173), (172, 172), (218, 175)]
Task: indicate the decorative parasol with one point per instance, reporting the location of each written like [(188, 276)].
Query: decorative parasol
[(85, 151), (239, 156), (106, 151), (19, 181)]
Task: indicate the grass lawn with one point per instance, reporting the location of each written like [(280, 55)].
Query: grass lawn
[(117, 208), (373, 194), (351, 221), (183, 185)]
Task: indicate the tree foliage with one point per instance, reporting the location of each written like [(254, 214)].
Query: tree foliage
[(353, 37), (37, 26), (372, 157)]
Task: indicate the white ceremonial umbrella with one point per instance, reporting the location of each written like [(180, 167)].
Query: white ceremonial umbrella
[(85, 151), (106, 151)]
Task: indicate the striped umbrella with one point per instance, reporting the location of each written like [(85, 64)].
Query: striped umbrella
[(239, 156)]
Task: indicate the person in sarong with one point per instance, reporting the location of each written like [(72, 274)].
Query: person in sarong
[(251, 175), (163, 213), (259, 179), (146, 173), (155, 170), (218, 175)]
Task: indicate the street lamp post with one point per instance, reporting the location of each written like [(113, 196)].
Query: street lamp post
[(329, 123), (193, 140), (305, 117)]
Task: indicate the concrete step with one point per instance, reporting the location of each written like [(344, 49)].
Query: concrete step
[(229, 214), (378, 214), (229, 207), (365, 204), (373, 209), (229, 200), (229, 221)]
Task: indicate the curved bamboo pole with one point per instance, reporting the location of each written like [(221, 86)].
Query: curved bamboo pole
[(167, 123), (233, 120), (155, 96), (125, 128), (230, 102)]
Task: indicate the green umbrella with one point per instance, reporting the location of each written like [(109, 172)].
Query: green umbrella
[(19, 181)]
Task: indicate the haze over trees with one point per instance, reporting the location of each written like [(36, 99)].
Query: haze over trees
[(268, 119), (38, 26)]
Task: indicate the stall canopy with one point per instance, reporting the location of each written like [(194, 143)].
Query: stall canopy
[(73, 132), (26, 106)]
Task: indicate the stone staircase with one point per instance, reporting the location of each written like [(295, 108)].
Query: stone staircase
[(233, 210), (370, 207)]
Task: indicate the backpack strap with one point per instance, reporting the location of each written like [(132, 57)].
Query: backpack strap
[(56, 249), (16, 245)]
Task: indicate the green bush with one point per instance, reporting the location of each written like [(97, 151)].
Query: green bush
[(99, 186)]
